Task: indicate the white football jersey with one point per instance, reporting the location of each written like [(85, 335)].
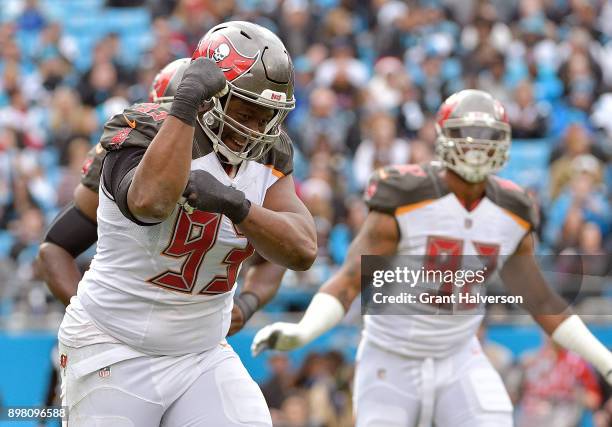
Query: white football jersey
[(165, 289), (432, 221)]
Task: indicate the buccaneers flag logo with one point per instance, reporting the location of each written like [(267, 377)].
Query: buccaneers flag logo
[(221, 50)]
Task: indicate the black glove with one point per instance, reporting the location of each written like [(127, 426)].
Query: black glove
[(202, 80), (205, 193)]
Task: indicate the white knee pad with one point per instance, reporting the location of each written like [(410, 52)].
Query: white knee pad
[(385, 406), (241, 397), (114, 408), (489, 391), (374, 414)]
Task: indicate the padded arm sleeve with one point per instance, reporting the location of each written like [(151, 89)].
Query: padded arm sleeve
[(72, 230), (117, 174)]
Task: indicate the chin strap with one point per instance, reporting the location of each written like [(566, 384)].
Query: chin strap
[(227, 154)]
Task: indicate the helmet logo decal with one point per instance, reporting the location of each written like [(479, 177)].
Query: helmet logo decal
[(161, 82), (221, 50), (446, 110)]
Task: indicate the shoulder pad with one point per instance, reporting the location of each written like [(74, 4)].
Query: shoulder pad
[(514, 199), (92, 168), (392, 187), (280, 156), (136, 126)]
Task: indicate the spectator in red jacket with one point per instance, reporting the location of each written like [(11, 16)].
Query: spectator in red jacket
[(557, 386)]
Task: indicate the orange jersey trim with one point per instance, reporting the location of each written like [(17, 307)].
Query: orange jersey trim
[(408, 208), (275, 172), (520, 221)]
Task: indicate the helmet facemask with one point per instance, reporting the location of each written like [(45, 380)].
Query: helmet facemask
[(473, 147), (216, 120)]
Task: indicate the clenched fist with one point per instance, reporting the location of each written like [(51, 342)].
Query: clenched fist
[(206, 193), (202, 80)]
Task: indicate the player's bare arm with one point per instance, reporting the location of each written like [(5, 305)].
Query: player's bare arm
[(86, 200), (161, 177), (282, 230), (378, 236), (522, 276), (261, 283), (284, 234), (163, 172), (263, 279), (71, 233)]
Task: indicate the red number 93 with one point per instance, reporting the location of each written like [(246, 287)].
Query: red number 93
[(193, 236)]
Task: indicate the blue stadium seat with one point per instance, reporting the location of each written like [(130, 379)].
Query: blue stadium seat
[(528, 164), (80, 24), (72, 6), (86, 43), (65, 10), (124, 20), (135, 44)]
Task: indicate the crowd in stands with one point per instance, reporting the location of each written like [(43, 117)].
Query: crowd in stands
[(369, 78)]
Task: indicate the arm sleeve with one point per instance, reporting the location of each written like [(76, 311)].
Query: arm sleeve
[(117, 174), (72, 230)]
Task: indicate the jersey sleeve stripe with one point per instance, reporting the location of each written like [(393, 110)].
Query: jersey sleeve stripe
[(275, 172), (408, 208), (520, 221)]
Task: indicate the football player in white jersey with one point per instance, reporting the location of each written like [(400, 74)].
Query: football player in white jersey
[(187, 193), (75, 229), (419, 370)]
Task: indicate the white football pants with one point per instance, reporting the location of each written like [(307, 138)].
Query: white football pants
[(111, 385), (462, 390)]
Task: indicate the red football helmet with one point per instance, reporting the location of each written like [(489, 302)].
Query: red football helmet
[(258, 69), (167, 80), (473, 134)]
